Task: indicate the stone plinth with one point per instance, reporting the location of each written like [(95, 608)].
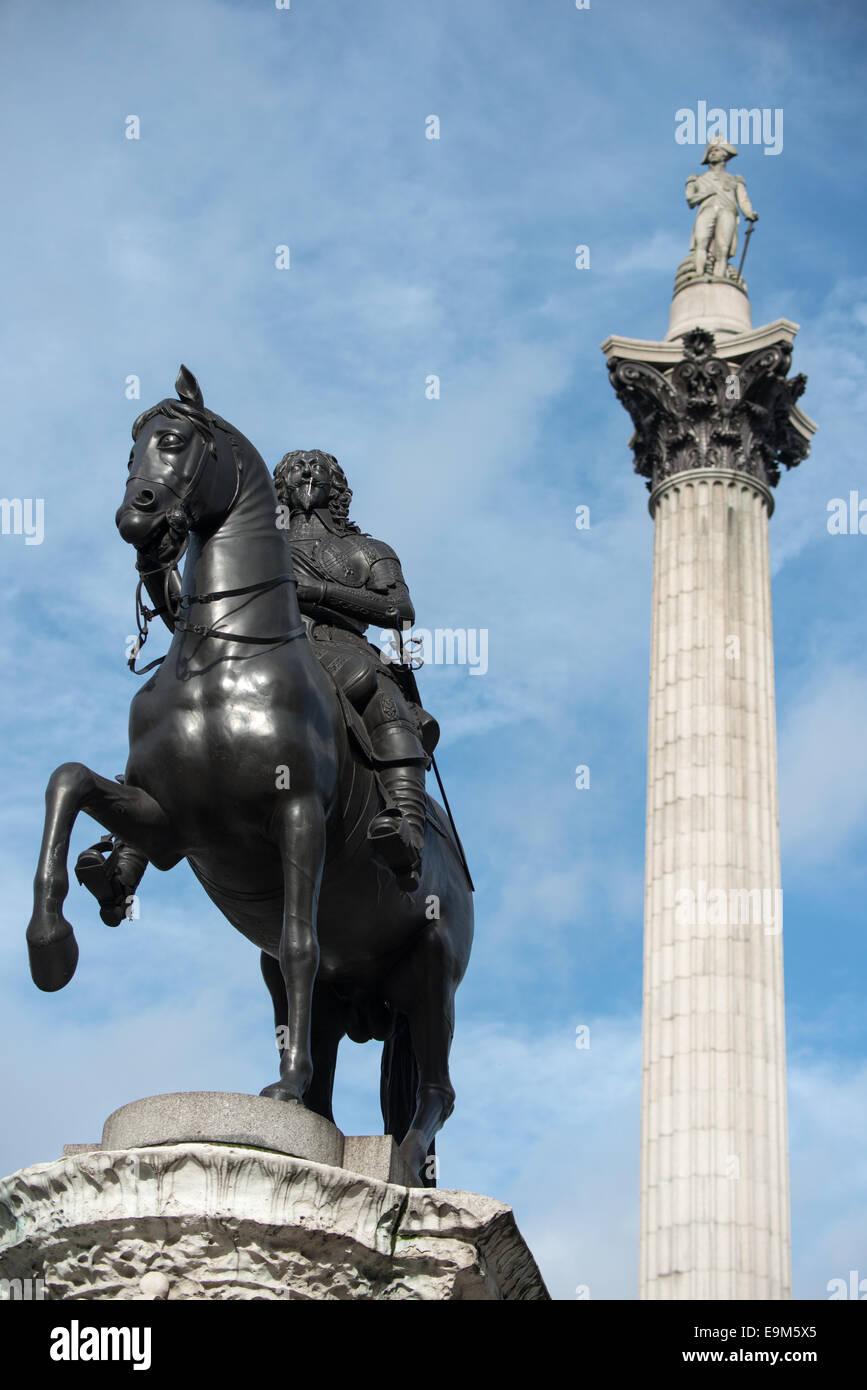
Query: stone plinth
[(720, 306), (230, 1117), (213, 1195), (220, 1222), (224, 1117)]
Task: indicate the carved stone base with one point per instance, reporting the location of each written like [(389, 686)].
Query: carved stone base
[(688, 275), (218, 1221)]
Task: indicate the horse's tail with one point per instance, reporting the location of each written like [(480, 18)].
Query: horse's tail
[(398, 1090)]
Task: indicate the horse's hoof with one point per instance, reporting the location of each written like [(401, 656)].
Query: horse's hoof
[(52, 962), (278, 1090)]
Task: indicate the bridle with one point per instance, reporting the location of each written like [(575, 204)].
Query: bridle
[(144, 615), (180, 521)]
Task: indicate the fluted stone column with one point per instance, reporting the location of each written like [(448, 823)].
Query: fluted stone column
[(711, 434)]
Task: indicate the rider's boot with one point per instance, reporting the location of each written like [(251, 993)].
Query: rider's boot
[(396, 833), (111, 871)]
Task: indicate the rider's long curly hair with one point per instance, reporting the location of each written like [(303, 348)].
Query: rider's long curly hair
[(341, 493)]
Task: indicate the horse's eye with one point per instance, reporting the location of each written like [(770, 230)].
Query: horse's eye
[(171, 441)]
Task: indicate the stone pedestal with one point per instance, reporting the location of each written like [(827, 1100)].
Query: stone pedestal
[(229, 1217), (714, 424), (721, 306)]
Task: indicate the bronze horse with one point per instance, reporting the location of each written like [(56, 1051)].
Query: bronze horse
[(241, 763)]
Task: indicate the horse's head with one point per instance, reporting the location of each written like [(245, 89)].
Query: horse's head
[(184, 473)]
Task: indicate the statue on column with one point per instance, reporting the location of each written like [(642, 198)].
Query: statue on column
[(719, 197)]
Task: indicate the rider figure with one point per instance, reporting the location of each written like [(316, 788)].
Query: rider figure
[(347, 580)]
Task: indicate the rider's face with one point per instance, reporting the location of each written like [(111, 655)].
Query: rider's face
[(309, 481)]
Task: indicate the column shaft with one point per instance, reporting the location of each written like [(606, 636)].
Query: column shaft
[(714, 1162)]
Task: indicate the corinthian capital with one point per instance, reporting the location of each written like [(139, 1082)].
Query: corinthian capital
[(706, 412)]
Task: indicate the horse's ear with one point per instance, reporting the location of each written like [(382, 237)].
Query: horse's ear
[(188, 388)]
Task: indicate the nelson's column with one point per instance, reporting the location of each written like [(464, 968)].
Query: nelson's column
[(715, 418)]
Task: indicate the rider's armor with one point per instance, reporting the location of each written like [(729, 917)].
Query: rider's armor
[(348, 580)]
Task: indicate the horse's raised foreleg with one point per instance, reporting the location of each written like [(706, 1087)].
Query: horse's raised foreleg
[(423, 989), (301, 839), (125, 811)]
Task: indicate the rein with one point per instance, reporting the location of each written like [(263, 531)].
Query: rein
[(144, 615)]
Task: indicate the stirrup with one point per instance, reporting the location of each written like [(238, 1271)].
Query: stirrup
[(393, 846), (94, 870)]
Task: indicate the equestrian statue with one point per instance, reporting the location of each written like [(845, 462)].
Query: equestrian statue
[(283, 756)]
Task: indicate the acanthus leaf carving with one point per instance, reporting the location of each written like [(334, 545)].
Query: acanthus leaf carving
[(708, 413)]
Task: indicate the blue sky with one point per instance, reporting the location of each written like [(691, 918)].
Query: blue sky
[(454, 257)]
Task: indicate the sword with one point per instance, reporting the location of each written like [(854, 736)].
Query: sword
[(746, 244), (409, 675)]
